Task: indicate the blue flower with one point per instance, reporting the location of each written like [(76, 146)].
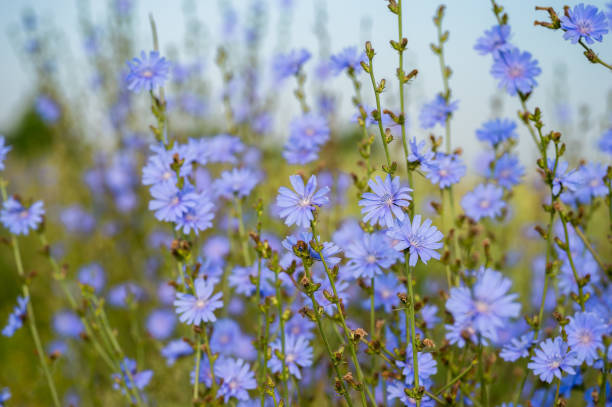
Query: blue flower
[(174, 350), (369, 255), (419, 152), (67, 323), (227, 339), (518, 347), (299, 326), (123, 294), (285, 65), (508, 171), (487, 305), (16, 318), (160, 323), (461, 331), (171, 203), (349, 58), (562, 178), (297, 207), (93, 276), (5, 394), (4, 149), (297, 155), (493, 40), (584, 336), (18, 219), (298, 353), (552, 359), (198, 217), (237, 378), (385, 202), (140, 379), (307, 134), (422, 241), (205, 373), (445, 170), (157, 169), (584, 22), (147, 73), (47, 109), (237, 182), (485, 201), (77, 220), (436, 112), (397, 390), (591, 184), (515, 70), (427, 367), (242, 280), (497, 131), (224, 147), (194, 310), (605, 142)]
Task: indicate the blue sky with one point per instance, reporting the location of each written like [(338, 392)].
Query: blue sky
[(351, 22)]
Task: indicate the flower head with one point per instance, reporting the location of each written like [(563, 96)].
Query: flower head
[(427, 367), (285, 65), (584, 22), (436, 112), (135, 379), (237, 378), (67, 323), (20, 220), (5, 394), (397, 390), (349, 58), (160, 323), (227, 339), (170, 203), (384, 204), (298, 353), (421, 240), (297, 207), (552, 359), (237, 182), (518, 347), (516, 71), (497, 131), (508, 171), (93, 276), (4, 149), (176, 349), (562, 178), (147, 72), (47, 109), (194, 310), (584, 336), (419, 152), (493, 40), (485, 201), (445, 170), (487, 306), (198, 217), (17, 317), (369, 255)]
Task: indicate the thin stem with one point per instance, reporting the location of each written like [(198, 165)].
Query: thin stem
[(242, 232), (581, 298), (456, 379), (285, 375), (592, 56), (589, 247), (198, 356), (415, 355), (400, 74), (604, 380), (211, 362), (383, 138), (557, 392)]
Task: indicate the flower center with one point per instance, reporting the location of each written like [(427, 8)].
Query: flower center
[(515, 71), (371, 259), (200, 303), (175, 200), (147, 73), (555, 364), (585, 338), (224, 339), (594, 182), (482, 307), (233, 385), (387, 199), (167, 175), (385, 294), (443, 173), (309, 131), (584, 27), (484, 204), (23, 214), (290, 358), (304, 202)]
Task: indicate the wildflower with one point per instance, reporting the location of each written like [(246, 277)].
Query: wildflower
[(294, 154), (298, 353), (216, 248), (93, 276), (47, 109), (487, 305), (5, 394), (421, 240), (418, 152), (140, 379), (4, 149), (160, 324), (228, 339), (436, 112), (369, 255), (241, 279), (584, 336), (515, 70), (157, 169), (562, 178), (497, 131), (427, 367), (17, 317), (238, 182), (518, 347), (18, 219), (123, 294), (223, 148), (286, 65), (205, 373), (445, 170), (147, 72), (429, 316), (584, 22), (508, 171), (349, 58), (460, 332), (77, 220), (397, 390), (552, 359), (174, 350), (307, 134), (67, 323), (605, 142), (385, 202), (485, 201), (237, 378), (194, 310), (299, 326), (494, 40), (171, 203), (591, 184), (198, 217), (297, 207)]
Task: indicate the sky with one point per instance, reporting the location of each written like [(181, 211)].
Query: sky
[(351, 22)]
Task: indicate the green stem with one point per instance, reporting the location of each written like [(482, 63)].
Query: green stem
[(285, 374), (383, 138), (581, 298), (400, 52), (242, 232), (456, 379), (196, 382), (589, 247), (415, 355), (557, 392), (211, 362)]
